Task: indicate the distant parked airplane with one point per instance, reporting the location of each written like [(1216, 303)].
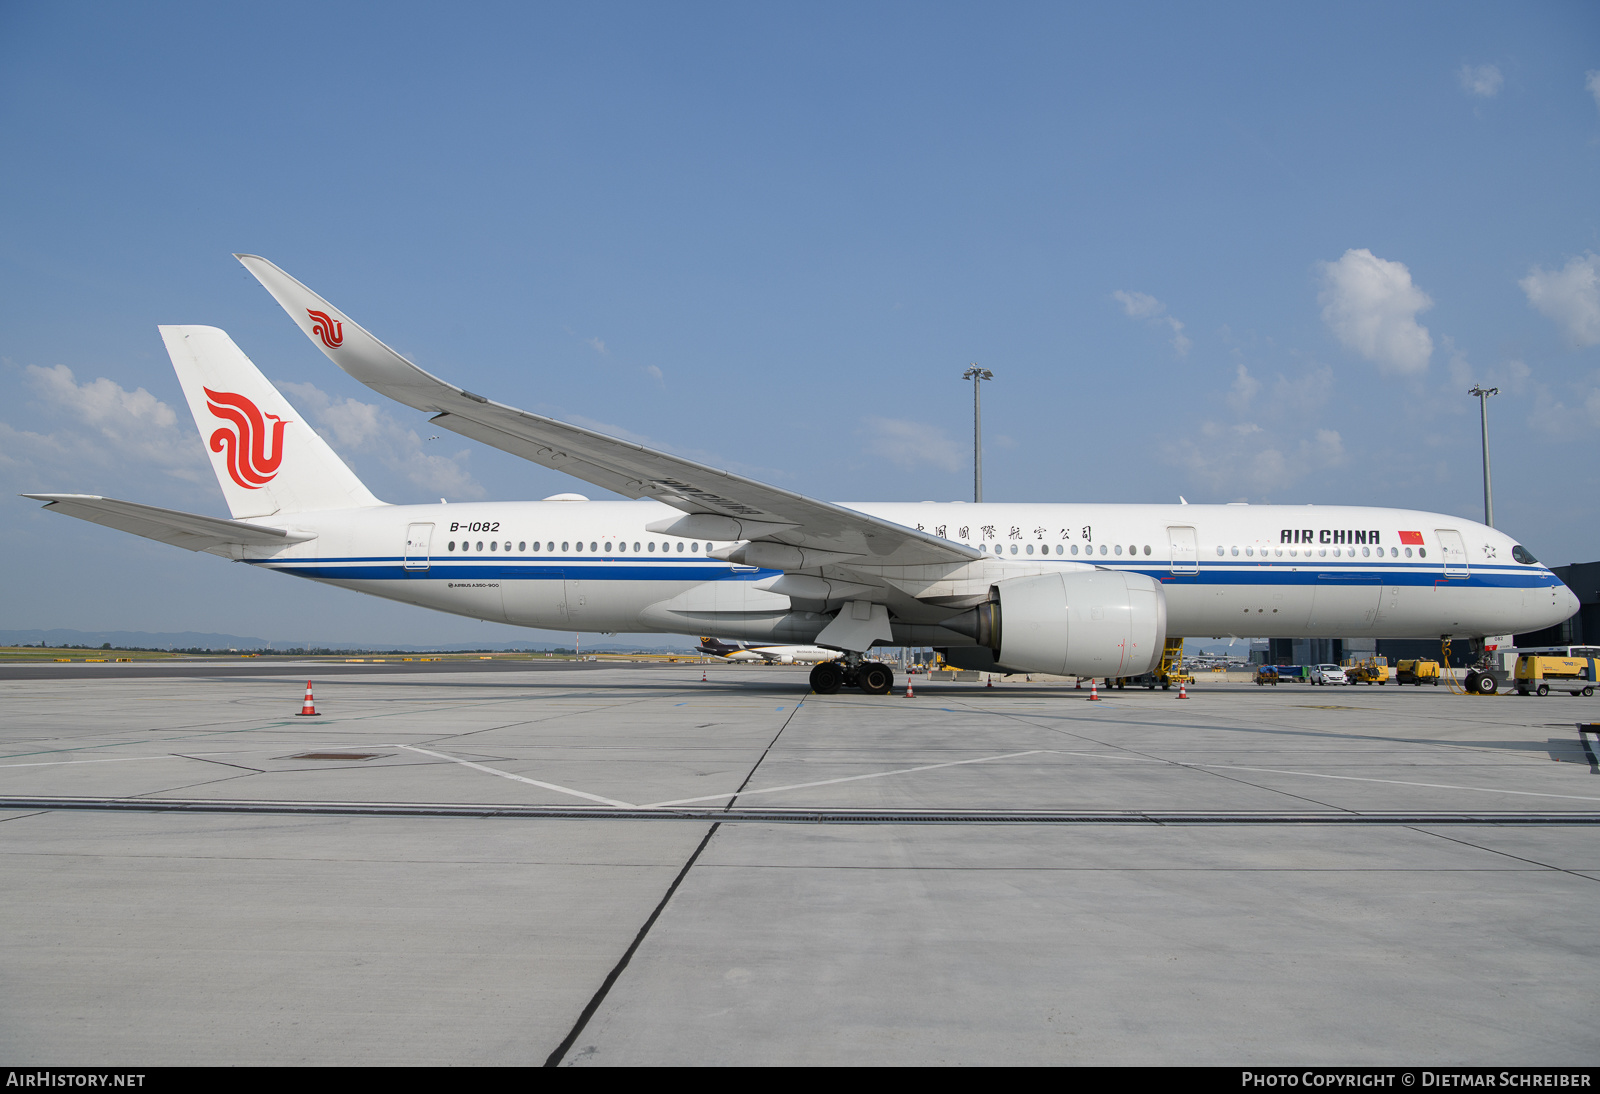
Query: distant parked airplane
[(780, 655)]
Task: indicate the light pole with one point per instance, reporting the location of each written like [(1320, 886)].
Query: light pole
[(1483, 411), (977, 376)]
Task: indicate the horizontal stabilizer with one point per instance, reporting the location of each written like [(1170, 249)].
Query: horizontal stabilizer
[(190, 531)]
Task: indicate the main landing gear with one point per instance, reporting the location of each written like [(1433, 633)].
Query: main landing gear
[(872, 677)]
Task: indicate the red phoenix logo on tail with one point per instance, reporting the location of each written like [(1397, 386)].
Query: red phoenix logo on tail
[(245, 446), (329, 329)]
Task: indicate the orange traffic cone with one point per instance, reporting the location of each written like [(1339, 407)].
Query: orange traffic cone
[(703, 679), (1094, 692), (909, 693), (1077, 685), (1183, 692), (308, 711)]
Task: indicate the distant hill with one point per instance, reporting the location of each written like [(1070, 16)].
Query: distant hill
[(197, 640)]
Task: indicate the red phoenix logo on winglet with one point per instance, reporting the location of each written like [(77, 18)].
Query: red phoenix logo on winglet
[(329, 329), (245, 446)]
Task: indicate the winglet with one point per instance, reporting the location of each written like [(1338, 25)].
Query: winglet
[(347, 343)]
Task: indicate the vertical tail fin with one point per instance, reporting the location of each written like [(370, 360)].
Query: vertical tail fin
[(266, 456)]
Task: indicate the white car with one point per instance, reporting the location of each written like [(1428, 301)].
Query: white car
[(1328, 674)]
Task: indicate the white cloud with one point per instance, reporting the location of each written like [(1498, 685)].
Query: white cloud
[(1245, 387), (1481, 80), (1180, 341), (1225, 457), (1576, 416), (1139, 305), (597, 345), (1462, 374), (1592, 82), (910, 444), (653, 372), (354, 427), (1569, 296), (1371, 306), (106, 428)]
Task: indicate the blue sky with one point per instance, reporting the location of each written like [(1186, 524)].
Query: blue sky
[(1249, 252)]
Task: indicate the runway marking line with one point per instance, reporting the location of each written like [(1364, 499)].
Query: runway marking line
[(1389, 782), (523, 779), (848, 778), (1086, 754)]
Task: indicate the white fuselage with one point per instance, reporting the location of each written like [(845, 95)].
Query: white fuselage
[(1259, 571)]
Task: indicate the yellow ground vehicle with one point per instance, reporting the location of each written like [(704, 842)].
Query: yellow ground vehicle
[(1417, 672), (1537, 675), (1267, 674), (1169, 672), (1367, 670)]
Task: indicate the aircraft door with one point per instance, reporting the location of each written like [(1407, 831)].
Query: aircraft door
[(418, 537), (577, 603), (1455, 552), (1185, 550), (535, 596)]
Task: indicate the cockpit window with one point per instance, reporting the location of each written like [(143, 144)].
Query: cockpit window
[(1520, 553)]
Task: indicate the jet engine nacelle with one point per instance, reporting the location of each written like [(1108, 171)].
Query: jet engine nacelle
[(1085, 623)]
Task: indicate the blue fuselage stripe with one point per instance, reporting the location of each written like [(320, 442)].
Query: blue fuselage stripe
[(393, 568)]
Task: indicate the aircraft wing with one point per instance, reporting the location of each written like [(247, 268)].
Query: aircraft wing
[(721, 505), (190, 531)]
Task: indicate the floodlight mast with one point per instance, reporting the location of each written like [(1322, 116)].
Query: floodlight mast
[(977, 375), (1483, 413)]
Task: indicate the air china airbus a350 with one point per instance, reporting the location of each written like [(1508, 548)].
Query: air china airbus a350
[(1069, 589)]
